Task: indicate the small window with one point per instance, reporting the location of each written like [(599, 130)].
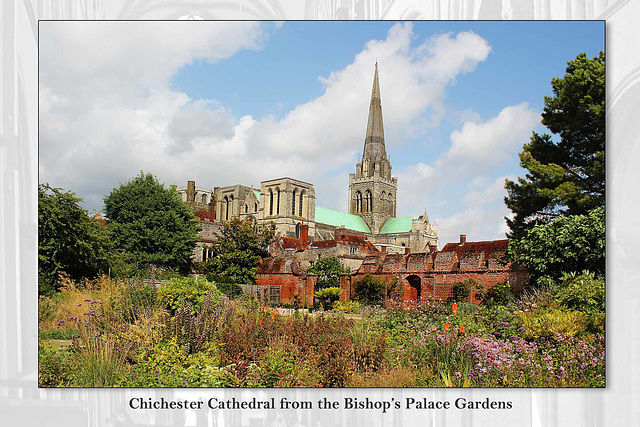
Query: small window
[(274, 294)]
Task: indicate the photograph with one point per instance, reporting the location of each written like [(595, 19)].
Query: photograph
[(321, 204)]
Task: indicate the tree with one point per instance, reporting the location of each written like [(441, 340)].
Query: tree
[(69, 239), (240, 247), (568, 244), (565, 176), (370, 290), (328, 271), (150, 224)]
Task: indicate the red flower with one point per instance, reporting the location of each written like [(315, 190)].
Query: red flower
[(462, 329), (446, 326), (454, 308), (266, 309), (273, 314)]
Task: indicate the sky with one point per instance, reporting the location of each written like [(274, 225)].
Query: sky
[(243, 102)]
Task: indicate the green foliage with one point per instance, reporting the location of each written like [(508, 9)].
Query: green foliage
[(461, 290), (500, 294), (568, 244), (565, 177), (241, 246), (328, 296), (231, 290), (328, 271), (551, 321), (370, 290), (69, 240), (191, 290), (131, 297), (348, 307), (583, 292), (150, 225), (55, 367)]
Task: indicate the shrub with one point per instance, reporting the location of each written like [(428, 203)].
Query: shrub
[(499, 294), (327, 297), (552, 321), (190, 289), (347, 307), (370, 290), (583, 292), (231, 290), (55, 367)]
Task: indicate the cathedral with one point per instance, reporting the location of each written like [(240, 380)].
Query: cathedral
[(291, 203)]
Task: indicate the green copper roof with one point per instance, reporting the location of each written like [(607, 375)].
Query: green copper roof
[(257, 193), (338, 219), (397, 225)]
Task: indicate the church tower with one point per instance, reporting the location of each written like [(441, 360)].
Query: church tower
[(372, 190)]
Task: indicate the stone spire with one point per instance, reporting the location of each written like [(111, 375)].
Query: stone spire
[(374, 149)]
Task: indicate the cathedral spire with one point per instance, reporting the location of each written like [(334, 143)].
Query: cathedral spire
[(374, 149)]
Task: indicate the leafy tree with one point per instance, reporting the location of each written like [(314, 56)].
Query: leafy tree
[(69, 239), (370, 290), (565, 176), (328, 271), (240, 247), (568, 244), (150, 225)]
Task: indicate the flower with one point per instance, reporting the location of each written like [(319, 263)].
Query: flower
[(446, 326), (266, 309), (454, 308), (273, 314), (462, 329)]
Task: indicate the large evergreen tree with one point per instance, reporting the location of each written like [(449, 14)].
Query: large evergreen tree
[(565, 172), (69, 240), (150, 225)]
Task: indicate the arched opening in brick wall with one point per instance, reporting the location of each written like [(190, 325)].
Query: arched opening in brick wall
[(416, 287)]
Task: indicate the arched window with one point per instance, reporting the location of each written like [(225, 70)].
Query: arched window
[(226, 208), (297, 230), (293, 202), (368, 201), (230, 210), (358, 202), (246, 209), (270, 202), (300, 204), (278, 205), (204, 254), (204, 198), (255, 207)]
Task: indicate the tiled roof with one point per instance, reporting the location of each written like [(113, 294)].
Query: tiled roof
[(338, 219), (397, 225)]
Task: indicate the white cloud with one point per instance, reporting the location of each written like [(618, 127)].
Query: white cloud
[(108, 111)]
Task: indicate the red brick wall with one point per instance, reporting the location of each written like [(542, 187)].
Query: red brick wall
[(290, 286)]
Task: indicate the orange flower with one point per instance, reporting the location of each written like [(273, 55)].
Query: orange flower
[(273, 314), (266, 309), (446, 326), (454, 307), (462, 329), (260, 322)]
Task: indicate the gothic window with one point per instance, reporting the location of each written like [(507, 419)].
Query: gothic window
[(358, 202), (226, 208), (246, 209), (368, 201), (230, 209), (297, 230), (278, 203), (270, 202), (204, 198), (300, 204), (255, 207), (293, 203)]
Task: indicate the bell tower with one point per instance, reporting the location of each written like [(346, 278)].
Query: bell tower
[(372, 189)]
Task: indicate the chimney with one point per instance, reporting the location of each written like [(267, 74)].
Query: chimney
[(463, 239), (383, 249), (340, 234), (432, 248), (212, 208), (191, 191), (304, 233), (407, 250)]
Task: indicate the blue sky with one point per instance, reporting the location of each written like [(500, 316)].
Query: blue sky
[(243, 102)]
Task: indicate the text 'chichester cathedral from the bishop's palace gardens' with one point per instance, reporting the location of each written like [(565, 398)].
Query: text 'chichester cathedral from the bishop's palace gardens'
[(368, 239)]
